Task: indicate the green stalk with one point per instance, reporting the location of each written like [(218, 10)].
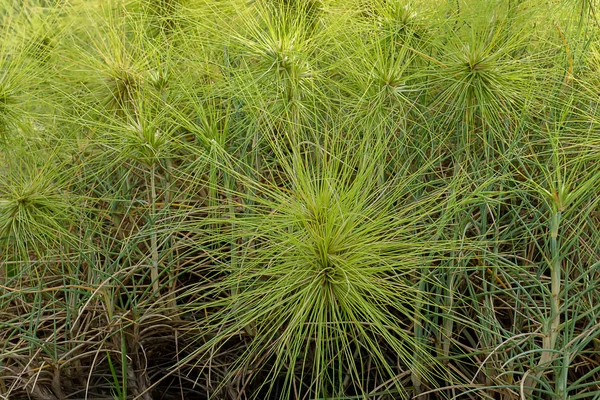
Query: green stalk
[(551, 327), (556, 278), (169, 242), (556, 284), (153, 236)]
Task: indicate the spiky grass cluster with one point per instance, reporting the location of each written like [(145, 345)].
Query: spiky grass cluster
[(325, 269), (299, 199)]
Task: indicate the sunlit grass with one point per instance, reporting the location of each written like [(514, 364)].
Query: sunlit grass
[(332, 248)]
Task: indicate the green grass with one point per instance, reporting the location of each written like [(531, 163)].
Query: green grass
[(284, 199)]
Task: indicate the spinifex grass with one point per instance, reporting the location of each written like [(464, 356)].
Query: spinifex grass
[(329, 263), (34, 212)]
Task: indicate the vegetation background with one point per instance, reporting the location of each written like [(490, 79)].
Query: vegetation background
[(299, 199)]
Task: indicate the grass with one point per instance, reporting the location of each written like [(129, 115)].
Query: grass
[(283, 199)]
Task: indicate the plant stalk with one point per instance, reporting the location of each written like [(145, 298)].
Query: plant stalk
[(153, 235), (551, 327)]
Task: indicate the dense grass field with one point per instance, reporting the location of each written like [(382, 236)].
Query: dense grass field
[(299, 199)]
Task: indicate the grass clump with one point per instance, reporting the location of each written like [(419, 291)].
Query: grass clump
[(323, 267)]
